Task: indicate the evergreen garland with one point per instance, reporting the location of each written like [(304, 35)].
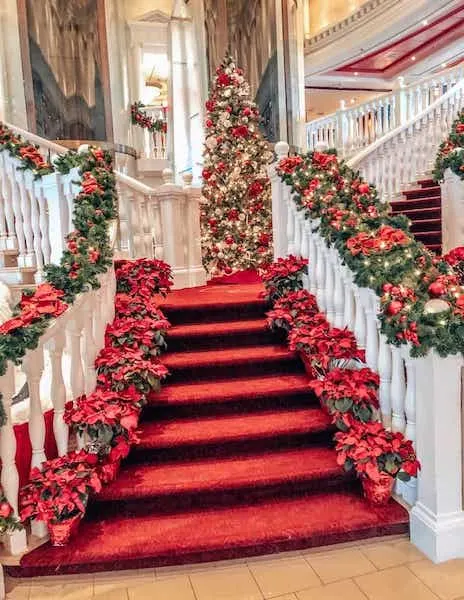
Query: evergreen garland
[(451, 152)]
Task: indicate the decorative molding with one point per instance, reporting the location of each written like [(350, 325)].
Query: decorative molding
[(358, 18), (154, 16)]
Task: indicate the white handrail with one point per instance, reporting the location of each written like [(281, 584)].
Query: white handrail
[(357, 127)]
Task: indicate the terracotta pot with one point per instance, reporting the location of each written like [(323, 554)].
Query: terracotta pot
[(378, 492), (61, 532)]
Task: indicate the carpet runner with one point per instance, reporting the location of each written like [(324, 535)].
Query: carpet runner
[(422, 205), (236, 457)]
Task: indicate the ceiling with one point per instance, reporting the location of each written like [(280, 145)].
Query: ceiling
[(321, 102), (389, 61)]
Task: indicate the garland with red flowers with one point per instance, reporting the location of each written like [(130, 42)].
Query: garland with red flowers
[(128, 373), (28, 154), (451, 152), (348, 394), (142, 119), (87, 256), (381, 252)]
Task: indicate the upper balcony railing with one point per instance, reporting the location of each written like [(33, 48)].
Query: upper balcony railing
[(151, 144), (351, 130)]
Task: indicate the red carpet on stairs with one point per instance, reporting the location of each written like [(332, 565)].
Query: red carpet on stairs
[(236, 458), (422, 205)]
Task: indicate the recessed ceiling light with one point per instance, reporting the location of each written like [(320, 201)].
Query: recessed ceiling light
[(444, 64), (413, 58), (356, 73), (353, 100), (425, 22)]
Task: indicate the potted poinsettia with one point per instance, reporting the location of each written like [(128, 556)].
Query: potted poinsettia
[(283, 276), (137, 307), (58, 493), (291, 308), (147, 335), (145, 277), (378, 456), (344, 392), (322, 347), (120, 368)]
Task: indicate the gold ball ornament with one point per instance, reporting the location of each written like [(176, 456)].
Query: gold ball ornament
[(436, 306)]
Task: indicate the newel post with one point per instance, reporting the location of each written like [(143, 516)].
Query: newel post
[(437, 519), (197, 273), (173, 201), (279, 205)]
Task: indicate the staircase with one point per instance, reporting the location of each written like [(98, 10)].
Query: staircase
[(422, 205), (235, 455)]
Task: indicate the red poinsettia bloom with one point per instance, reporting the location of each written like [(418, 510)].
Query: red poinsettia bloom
[(90, 185)]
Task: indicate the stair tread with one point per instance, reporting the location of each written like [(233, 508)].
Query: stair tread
[(427, 233), (220, 532), (424, 221), (228, 356), (436, 189), (414, 211), (223, 328), (242, 388), (231, 428), (422, 200), (206, 297), (213, 474)]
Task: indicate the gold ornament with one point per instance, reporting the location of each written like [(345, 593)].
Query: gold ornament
[(436, 306)]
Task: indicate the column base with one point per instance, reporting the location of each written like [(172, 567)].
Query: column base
[(16, 542), (440, 538), (197, 277), (181, 278)]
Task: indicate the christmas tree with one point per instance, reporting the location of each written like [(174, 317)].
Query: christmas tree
[(236, 213)]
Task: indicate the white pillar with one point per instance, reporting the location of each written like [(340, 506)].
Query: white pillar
[(172, 200), (437, 519), (197, 273), (279, 205)]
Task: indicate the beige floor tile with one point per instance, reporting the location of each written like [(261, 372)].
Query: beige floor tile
[(234, 583), (384, 556), (17, 592), (340, 564), (280, 576), (67, 591), (341, 590), (446, 579), (170, 588), (109, 581), (398, 583), (286, 597), (105, 594)]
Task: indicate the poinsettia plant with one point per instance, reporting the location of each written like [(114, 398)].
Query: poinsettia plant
[(120, 368), (60, 489), (455, 258), (144, 277), (323, 345), (146, 334), (373, 452), (137, 307), (8, 521), (292, 308), (284, 275), (348, 392), (105, 414)]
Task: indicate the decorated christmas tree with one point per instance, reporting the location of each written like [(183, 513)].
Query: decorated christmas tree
[(236, 213)]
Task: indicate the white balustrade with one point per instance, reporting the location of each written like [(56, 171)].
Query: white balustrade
[(408, 152), (419, 397), (151, 145), (353, 129)]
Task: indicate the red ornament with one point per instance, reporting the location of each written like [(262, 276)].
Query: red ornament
[(437, 289), (5, 510), (364, 188), (209, 123), (394, 307)]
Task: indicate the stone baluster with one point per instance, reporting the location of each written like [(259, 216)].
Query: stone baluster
[(89, 350), (58, 391), (25, 184), (126, 231), (329, 286), (398, 390), (33, 366), (320, 274), (297, 230), (37, 239), (348, 313), (359, 319), (305, 248), (313, 260), (74, 333), (279, 204), (44, 226), (3, 229), (339, 292), (18, 218), (385, 376), (16, 542), (372, 335), (157, 227), (290, 224)]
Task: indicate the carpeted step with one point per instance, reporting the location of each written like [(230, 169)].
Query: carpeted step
[(215, 303), (174, 486), (267, 526), (428, 237), (195, 336), (427, 183), (227, 434), (426, 225), (231, 362), (422, 213), (422, 192), (243, 394), (399, 206)]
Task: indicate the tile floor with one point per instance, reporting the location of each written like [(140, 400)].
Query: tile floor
[(389, 569)]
